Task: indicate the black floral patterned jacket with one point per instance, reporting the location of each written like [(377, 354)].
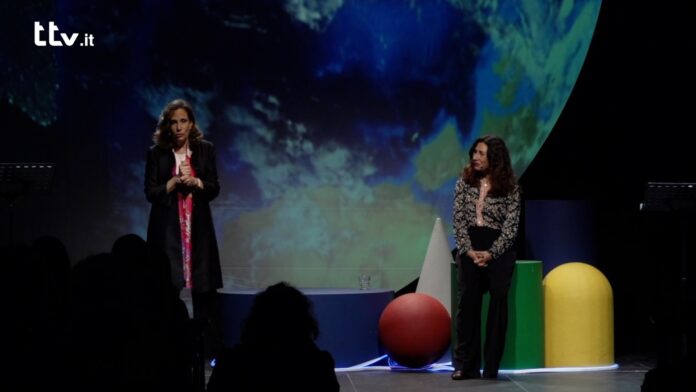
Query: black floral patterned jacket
[(501, 213)]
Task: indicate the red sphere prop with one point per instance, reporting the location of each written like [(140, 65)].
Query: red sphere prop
[(415, 330)]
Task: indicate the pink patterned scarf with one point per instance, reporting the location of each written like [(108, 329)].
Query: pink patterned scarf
[(185, 214)]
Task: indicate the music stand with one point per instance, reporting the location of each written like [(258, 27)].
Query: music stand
[(676, 199), (17, 179)]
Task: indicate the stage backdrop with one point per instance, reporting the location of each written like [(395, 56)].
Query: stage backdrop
[(340, 126)]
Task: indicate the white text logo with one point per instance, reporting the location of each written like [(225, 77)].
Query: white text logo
[(59, 39)]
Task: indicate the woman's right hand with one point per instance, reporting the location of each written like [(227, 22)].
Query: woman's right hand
[(185, 168), (172, 183), (472, 255), (479, 258)]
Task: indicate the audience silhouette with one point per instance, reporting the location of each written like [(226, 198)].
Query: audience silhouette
[(115, 322), (17, 340), (50, 276), (35, 334), (128, 328), (277, 350)]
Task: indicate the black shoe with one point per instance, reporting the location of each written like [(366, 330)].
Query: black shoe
[(490, 375), (461, 375)]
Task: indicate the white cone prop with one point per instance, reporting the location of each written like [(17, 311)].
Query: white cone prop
[(435, 276)]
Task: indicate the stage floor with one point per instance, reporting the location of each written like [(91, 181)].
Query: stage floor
[(624, 379), (628, 377)]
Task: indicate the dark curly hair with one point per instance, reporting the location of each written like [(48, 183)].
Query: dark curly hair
[(502, 177), (280, 315), (163, 133)]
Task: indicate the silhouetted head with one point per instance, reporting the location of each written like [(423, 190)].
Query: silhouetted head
[(129, 247), (281, 314), (20, 280), (50, 270), (143, 261), (48, 249)]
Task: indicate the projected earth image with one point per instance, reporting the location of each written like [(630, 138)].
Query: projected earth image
[(340, 126)]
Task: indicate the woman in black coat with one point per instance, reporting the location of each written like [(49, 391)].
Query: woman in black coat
[(180, 181)]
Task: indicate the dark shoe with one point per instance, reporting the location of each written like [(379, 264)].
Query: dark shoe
[(490, 375), (461, 375)]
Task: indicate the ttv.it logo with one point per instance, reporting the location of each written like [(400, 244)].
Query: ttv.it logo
[(59, 40)]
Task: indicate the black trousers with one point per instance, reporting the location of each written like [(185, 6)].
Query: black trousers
[(473, 282), (206, 310)]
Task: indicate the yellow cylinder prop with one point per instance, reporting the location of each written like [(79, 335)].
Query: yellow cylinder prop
[(579, 317)]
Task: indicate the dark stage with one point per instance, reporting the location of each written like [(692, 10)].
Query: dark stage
[(628, 377), (338, 172)]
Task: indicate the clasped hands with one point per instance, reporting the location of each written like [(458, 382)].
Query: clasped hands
[(186, 178), (480, 257)]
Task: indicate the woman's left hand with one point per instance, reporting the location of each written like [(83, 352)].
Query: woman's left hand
[(191, 181), (483, 258)]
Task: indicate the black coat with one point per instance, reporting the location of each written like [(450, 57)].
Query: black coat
[(163, 229)]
